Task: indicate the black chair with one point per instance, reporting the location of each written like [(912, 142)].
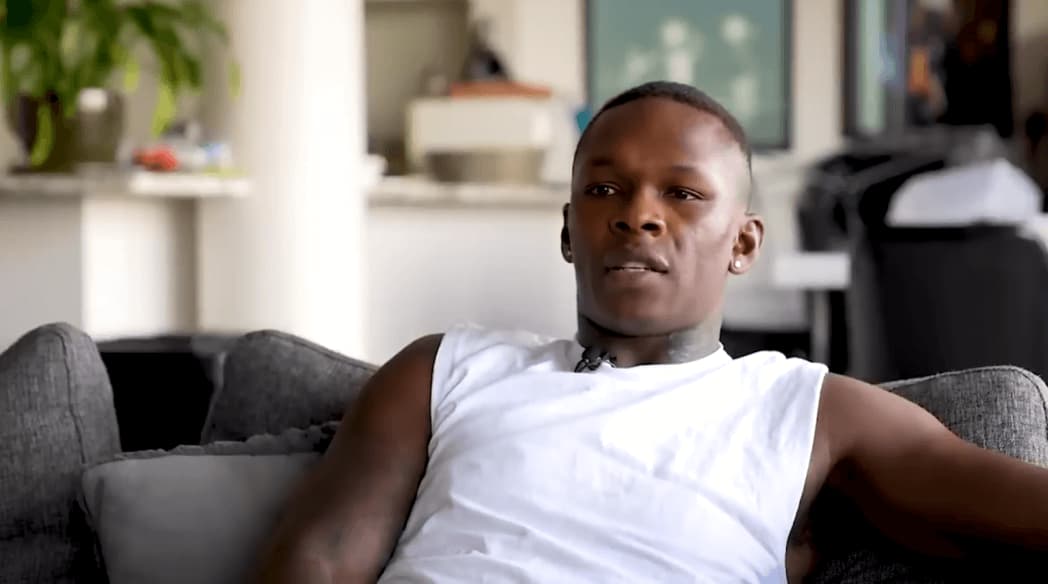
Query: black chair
[(927, 300), (844, 194)]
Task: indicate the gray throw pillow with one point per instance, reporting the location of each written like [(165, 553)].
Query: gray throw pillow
[(195, 514), (56, 414), (273, 380)]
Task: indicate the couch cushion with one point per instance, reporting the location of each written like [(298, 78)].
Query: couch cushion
[(56, 414), (274, 381), (198, 513), (1001, 408)]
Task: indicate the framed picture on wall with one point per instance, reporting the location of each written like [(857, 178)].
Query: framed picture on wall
[(738, 51)]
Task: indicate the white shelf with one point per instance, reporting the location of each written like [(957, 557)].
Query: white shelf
[(133, 183), (424, 192)]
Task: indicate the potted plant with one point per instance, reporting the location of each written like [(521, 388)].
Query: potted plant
[(51, 51)]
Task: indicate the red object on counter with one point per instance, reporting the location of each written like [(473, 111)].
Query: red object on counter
[(160, 158)]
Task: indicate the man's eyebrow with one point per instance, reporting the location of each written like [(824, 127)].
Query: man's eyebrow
[(600, 161), (686, 167)]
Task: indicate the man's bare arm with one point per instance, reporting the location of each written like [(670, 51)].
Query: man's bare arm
[(344, 519), (924, 485)]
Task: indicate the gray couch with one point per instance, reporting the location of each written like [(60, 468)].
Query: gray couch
[(76, 509)]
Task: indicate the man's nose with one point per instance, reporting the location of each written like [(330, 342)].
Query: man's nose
[(641, 214)]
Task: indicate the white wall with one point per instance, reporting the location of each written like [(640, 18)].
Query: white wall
[(138, 266), (817, 77), (439, 36), (1029, 55), (112, 266), (40, 277), (432, 268)]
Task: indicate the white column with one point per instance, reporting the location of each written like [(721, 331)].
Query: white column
[(290, 256)]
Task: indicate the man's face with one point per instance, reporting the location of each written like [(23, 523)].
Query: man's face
[(657, 218)]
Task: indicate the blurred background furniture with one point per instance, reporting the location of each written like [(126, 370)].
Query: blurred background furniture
[(927, 300), (847, 195)]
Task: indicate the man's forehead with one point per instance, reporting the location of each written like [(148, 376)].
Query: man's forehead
[(656, 126), (694, 139)]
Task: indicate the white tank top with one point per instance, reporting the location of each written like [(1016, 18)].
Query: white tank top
[(656, 473)]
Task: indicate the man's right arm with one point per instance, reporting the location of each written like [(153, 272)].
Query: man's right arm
[(345, 517)]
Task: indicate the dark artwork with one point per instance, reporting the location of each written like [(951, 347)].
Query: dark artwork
[(960, 66)]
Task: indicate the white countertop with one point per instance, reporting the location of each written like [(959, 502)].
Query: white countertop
[(419, 191), (137, 183)]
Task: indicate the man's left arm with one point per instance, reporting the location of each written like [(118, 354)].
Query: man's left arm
[(913, 476)]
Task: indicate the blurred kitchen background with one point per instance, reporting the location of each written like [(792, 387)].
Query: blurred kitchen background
[(362, 172)]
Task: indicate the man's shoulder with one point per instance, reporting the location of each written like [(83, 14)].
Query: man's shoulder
[(469, 339), (483, 348), (772, 369)]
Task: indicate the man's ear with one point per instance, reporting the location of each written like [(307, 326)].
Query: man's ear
[(565, 238), (747, 244)]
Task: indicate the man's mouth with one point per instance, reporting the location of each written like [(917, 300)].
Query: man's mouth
[(635, 261), (632, 269)]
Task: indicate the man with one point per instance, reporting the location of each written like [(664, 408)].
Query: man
[(639, 451)]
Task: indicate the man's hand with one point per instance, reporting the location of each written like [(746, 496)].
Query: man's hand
[(344, 519), (923, 485)]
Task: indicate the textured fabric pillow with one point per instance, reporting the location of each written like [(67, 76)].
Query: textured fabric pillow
[(1001, 408), (56, 414), (274, 381), (194, 514)]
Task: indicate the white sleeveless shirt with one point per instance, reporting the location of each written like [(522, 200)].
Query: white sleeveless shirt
[(657, 473)]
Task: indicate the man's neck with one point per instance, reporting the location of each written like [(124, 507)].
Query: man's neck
[(677, 347)]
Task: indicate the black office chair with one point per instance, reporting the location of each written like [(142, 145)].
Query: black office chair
[(927, 300)]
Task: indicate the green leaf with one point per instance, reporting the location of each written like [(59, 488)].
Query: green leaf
[(132, 72), (6, 78), (45, 135), (21, 57), (193, 72), (197, 16), (18, 15), (70, 41), (164, 113)]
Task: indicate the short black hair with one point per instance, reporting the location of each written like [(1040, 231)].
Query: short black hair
[(687, 95)]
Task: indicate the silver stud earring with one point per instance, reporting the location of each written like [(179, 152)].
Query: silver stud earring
[(568, 255), (737, 264)]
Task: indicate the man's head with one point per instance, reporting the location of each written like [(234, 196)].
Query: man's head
[(659, 216)]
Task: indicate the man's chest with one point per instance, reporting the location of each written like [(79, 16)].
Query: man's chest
[(671, 458)]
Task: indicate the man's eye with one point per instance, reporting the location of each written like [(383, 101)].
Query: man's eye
[(601, 190), (684, 194)]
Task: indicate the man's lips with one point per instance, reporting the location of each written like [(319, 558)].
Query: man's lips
[(631, 269), (635, 261)]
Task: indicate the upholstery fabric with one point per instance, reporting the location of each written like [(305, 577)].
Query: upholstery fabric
[(274, 381), (195, 513), (56, 414)]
